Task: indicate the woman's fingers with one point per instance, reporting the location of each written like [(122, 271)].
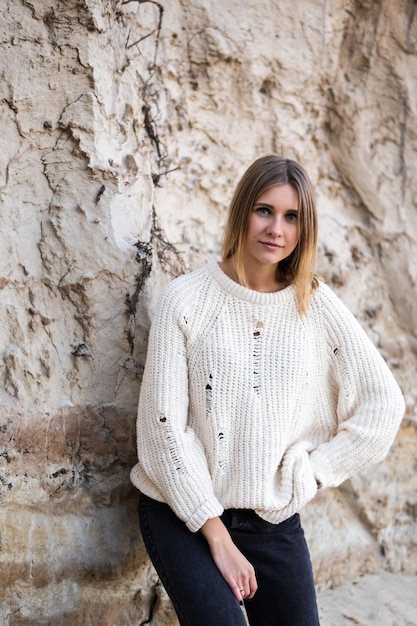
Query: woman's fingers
[(244, 589), (248, 587), (253, 586), (238, 591), (237, 571)]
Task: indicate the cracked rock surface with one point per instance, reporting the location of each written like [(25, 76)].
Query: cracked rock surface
[(125, 126)]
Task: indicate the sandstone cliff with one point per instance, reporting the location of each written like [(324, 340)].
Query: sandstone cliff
[(125, 125)]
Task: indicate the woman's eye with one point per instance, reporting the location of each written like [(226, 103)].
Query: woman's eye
[(292, 217), (263, 210)]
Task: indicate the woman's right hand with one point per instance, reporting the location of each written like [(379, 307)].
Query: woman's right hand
[(233, 565)]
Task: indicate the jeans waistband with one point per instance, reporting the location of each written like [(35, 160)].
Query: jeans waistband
[(247, 520)]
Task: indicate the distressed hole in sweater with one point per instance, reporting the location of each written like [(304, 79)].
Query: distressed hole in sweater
[(172, 446), (257, 336), (209, 395), (221, 451), (343, 370)]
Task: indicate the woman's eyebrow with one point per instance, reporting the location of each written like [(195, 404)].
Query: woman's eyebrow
[(271, 206)]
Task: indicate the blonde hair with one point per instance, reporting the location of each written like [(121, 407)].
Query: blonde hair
[(299, 267)]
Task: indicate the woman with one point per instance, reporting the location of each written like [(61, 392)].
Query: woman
[(259, 388)]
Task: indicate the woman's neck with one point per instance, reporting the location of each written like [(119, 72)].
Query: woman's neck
[(261, 278)]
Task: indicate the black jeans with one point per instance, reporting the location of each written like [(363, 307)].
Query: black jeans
[(200, 595)]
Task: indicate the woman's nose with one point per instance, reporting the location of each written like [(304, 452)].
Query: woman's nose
[(275, 226)]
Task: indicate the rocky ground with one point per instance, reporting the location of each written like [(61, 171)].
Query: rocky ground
[(382, 600)]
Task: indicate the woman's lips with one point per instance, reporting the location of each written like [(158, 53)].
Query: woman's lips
[(271, 245)]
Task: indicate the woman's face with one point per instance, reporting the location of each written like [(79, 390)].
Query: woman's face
[(273, 226)]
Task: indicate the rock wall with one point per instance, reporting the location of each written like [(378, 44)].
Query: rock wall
[(125, 126)]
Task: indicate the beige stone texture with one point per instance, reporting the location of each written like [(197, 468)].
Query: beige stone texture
[(125, 125)]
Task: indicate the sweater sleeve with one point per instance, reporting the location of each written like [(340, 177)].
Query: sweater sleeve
[(370, 405), (172, 463)]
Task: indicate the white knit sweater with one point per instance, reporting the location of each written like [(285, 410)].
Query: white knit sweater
[(246, 404)]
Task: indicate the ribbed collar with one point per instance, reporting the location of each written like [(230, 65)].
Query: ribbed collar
[(249, 295)]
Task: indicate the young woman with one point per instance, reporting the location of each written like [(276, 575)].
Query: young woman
[(259, 388)]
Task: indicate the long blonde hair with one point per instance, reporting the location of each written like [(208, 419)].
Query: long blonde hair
[(299, 267)]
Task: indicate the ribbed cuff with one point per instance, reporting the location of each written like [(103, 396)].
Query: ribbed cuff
[(322, 470), (210, 508)]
